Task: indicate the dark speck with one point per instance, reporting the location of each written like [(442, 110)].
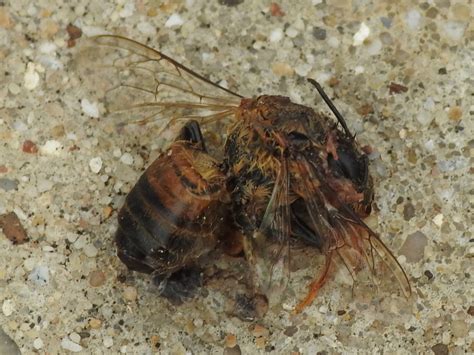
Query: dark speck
[(386, 21), (230, 3), (408, 211), (428, 274), (442, 71), (319, 33)]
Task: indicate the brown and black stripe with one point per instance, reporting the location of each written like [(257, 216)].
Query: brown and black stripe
[(174, 212)]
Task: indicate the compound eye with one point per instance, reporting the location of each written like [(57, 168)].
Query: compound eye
[(297, 138), (350, 166)]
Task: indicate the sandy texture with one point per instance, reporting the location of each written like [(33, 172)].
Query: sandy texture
[(400, 72)]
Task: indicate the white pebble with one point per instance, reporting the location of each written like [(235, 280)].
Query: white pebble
[(375, 47), (90, 250), (291, 32), (95, 164), (128, 9), (47, 47), (174, 20), (38, 343), (39, 275), (90, 108), (146, 28), (303, 69), (424, 117), (14, 89), (32, 78), (361, 35), (67, 344), (323, 309), (359, 69), (75, 337), (429, 104), (413, 19), (44, 185), (454, 30), (116, 152), (438, 219), (126, 158), (51, 147), (276, 35), (108, 342), (8, 307)]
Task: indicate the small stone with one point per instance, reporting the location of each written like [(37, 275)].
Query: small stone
[(440, 349), (68, 344), (130, 294), (96, 278), (424, 117), (7, 345), (230, 3), (38, 343), (8, 307), (58, 131), (459, 328), (282, 69), (230, 340), (414, 247), (438, 219), (175, 20), (470, 311), (303, 69), (95, 323), (319, 33), (276, 35), (291, 32), (14, 89), (31, 78), (74, 32), (90, 250), (29, 147), (126, 158), (12, 228), (290, 331), (95, 164), (361, 35), (275, 10), (260, 342), (39, 275), (454, 30), (413, 19), (51, 147), (5, 19), (91, 109), (8, 184), (455, 113), (75, 337), (108, 342), (233, 351), (260, 331)]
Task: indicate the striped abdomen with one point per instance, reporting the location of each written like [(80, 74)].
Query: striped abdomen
[(173, 213)]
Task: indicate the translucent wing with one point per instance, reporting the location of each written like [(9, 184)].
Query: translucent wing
[(344, 234), (268, 250), (146, 85)]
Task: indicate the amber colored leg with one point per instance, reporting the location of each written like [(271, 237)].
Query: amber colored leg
[(315, 286)]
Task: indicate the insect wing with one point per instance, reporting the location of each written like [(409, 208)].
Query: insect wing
[(146, 85), (268, 251)]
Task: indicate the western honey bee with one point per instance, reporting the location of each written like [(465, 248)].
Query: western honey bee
[(288, 174)]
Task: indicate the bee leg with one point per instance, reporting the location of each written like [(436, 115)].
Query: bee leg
[(191, 132), (180, 286)]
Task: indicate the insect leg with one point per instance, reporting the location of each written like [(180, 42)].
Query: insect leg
[(191, 132), (333, 108), (180, 286), (316, 285)]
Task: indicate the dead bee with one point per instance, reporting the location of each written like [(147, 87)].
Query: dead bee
[(289, 173)]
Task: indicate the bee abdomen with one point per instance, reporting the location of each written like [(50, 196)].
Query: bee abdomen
[(169, 217)]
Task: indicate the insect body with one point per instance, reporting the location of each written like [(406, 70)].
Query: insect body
[(174, 212), (292, 174)]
